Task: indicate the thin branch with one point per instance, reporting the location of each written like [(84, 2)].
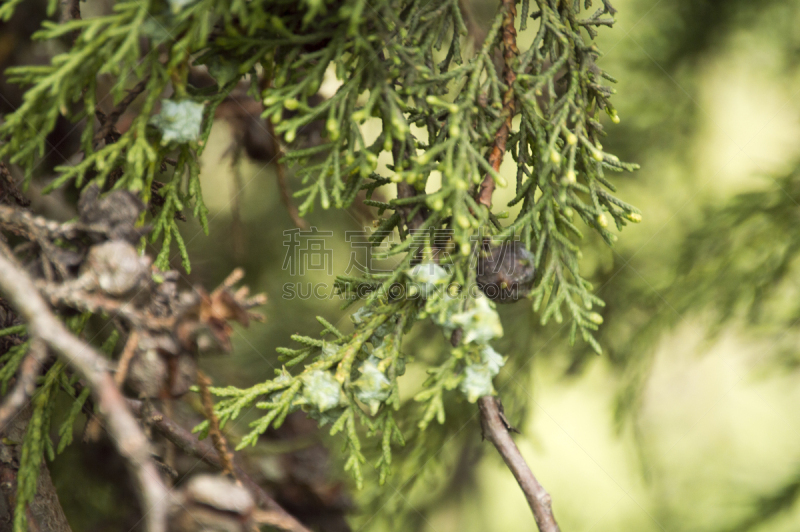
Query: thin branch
[(496, 430), (9, 189), (126, 357), (110, 120), (188, 443), (131, 442), (93, 428), (283, 184), (26, 383), (225, 457), (510, 52), (71, 10)]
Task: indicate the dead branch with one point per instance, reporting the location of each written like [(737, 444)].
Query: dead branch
[(510, 52), (496, 430), (188, 443), (125, 358), (131, 442)]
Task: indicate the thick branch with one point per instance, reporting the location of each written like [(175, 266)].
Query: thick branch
[(510, 52), (495, 429), (188, 443), (131, 442)]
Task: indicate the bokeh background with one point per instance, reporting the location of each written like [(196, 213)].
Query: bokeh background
[(689, 419)]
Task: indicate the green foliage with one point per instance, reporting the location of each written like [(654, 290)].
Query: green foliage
[(440, 103), (439, 111), (11, 361), (37, 442)]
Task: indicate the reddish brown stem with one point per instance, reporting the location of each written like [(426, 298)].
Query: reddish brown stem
[(510, 52), (225, 457)]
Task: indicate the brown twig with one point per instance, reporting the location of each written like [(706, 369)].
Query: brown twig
[(496, 430), (71, 10), (225, 457), (73, 295), (110, 120), (283, 184), (94, 425), (131, 442), (510, 52), (126, 357), (26, 383), (9, 189), (188, 443)]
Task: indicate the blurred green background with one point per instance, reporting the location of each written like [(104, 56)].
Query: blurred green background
[(687, 422)]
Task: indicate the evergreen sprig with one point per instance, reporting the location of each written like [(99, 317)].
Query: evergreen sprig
[(439, 114), (441, 105)]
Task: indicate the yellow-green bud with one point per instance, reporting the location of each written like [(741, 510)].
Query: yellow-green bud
[(291, 104), (635, 217), (555, 157), (570, 176), (595, 318), (437, 204), (571, 138), (602, 221)]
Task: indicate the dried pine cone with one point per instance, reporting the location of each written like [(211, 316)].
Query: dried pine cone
[(505, 271)]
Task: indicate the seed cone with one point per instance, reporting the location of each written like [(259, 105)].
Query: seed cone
[(505, 272)]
